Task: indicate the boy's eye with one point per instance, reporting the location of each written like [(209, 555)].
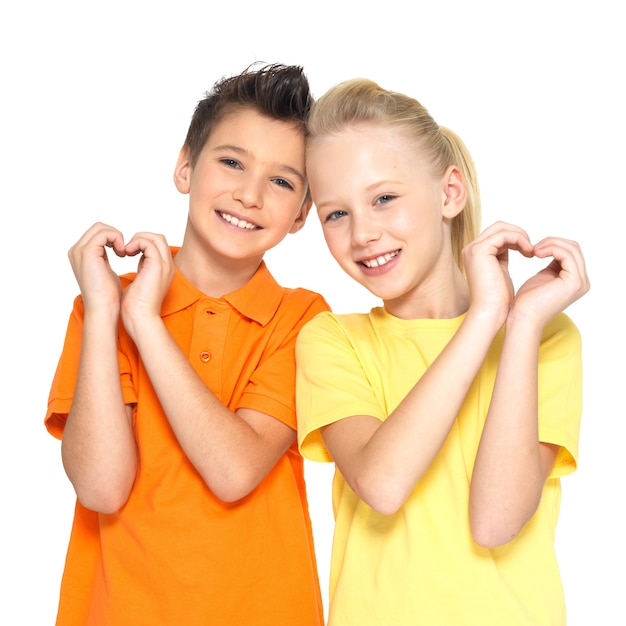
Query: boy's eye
[(281, 182), (230, 163)]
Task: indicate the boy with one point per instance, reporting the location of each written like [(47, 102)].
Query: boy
[(174, 395)]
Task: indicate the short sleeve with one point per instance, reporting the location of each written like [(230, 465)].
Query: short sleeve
[(560, 391), (63, 385), (271, 388), (331, 383)]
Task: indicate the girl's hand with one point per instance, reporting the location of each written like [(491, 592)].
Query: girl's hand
[(486, 261), (143, 298), (99, 284), (558, 285)]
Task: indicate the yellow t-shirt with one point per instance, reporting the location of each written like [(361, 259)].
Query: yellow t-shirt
[(420, 565)]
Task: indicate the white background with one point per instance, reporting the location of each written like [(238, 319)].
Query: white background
[(95, 103)]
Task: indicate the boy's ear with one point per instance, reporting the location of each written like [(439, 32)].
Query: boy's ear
[(298, 223), (182, 171), (454, 192)]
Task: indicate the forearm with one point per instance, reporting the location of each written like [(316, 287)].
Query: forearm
[(508, 475), (230, 455), (398, 453), (98, 446)]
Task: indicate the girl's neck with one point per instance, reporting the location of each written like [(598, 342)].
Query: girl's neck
[(445, 300)]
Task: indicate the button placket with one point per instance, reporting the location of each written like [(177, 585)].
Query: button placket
[(205, 355), (208, 337)]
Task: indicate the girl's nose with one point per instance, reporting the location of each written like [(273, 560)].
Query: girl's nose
[(365, 230)]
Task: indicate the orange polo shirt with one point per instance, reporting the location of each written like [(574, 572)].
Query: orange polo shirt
[(175, 555)]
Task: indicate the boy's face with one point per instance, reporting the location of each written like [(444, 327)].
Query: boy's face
[(247, 189)]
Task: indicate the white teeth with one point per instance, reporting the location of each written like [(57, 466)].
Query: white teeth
[(381, 260), (231, 219)]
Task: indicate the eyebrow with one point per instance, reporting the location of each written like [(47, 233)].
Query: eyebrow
[(321, 205), (381, 183), (281, 166), (369, 189)]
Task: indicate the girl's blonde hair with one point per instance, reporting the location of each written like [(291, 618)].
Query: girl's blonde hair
[(360, 101)]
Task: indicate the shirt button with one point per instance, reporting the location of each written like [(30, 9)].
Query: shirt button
[(205, 357)]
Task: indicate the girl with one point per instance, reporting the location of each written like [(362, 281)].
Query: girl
[(452, 411)]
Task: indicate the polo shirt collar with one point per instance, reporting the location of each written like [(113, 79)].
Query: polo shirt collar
[(258, 299)]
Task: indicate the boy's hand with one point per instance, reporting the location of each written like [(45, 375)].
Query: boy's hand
[(558, 285), (143, 298), (486, 261), (99, 284)]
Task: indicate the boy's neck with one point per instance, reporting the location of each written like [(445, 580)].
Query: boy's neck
[(215, 277)]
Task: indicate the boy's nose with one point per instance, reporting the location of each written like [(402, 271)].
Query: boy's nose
[(249, 192)]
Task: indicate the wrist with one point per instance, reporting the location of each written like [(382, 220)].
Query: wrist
[(146, 325), (524, 323), (101, 316), (490, 319)]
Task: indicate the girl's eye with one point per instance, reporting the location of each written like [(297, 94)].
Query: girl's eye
[(230, 163), (281, 182), (335, 215), (384, 198)]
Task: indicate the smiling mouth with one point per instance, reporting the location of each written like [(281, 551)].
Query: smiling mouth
[(383, 259), (235, 221)]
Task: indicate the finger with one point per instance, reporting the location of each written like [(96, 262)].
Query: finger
[(101, 235), (563, 250), (151, 243), (569, 257), (501, 237), (547, 246)]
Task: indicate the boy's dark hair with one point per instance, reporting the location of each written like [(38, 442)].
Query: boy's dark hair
[(278, 91)]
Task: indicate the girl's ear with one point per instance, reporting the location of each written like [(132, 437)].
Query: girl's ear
[(454, 192), (182, 171)]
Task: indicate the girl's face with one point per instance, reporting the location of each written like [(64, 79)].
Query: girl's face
[(385, 218)]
